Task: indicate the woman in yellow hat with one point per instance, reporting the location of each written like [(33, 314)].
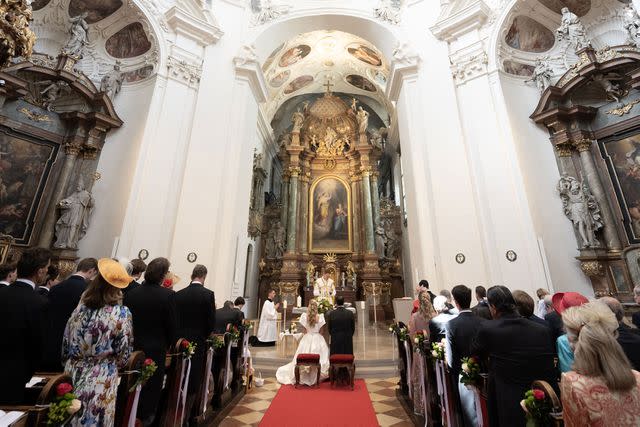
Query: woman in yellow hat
[(97, 341)]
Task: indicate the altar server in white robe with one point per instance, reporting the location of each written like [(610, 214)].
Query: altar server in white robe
[(324, 288), (267, 332)]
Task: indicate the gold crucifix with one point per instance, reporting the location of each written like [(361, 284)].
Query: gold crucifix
[(328, 85)]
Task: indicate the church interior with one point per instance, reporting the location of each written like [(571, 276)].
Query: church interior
[(410, 210)]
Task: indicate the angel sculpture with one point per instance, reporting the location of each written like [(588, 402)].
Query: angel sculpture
[(582, 209), (265, 11), (632, 25), (612, 89), (542, 74), (77, 36), (111, 82), (53, 92), (389, 10), (572, 30)]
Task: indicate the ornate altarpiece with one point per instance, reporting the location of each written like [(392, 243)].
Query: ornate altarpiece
[(330, 209), (595, 131), (53, 124)]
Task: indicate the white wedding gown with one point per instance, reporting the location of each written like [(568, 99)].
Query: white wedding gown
[(311, 343)]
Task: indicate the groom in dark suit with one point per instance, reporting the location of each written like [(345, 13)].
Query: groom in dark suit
[(342, 325)]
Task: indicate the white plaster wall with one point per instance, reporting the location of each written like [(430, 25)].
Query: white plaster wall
[(117, 166), (540, 171)]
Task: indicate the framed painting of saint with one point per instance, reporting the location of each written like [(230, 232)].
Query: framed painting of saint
[(330, 215)]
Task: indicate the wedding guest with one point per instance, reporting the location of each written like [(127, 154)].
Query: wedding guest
[(227, 316), (137, 268), (438, 325), (8, 274), (519, 353), (460, 332), (52, 279), (602, 389), (341, 326), (238, 304), (561, 301), (63, 299), (267, 333), (635, 318), (97, 342), (154, 330), (482, 308), (525, 306), (21, 326), (445, 293), (628, 338), (541, 308), (196, 312), (553, 318), (419, 322)]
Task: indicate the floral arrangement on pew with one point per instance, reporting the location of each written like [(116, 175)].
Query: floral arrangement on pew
[(293, 328), (187, 348), (437, 349), (246, 325), (215, 342), (65, 405), (537, 407), (470, 374), (234, 332), (148, 369), (401, 332), (421, 341)]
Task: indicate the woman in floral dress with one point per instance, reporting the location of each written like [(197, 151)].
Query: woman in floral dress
[(97, 341)]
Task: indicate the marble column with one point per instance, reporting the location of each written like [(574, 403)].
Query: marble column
[(48, 229), (304, 210), (293, 209), (355, 211), (285, 201), (375, 198), (368, 212), (612, 241)]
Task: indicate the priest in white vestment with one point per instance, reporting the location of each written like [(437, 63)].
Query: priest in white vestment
[(267, 331), (324, 288)]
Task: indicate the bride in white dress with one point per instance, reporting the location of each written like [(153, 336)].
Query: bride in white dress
[(311, 343)]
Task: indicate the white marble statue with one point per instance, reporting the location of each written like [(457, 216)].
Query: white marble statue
[(297, 119), (381, 241), (78, 36), (377, 137), (542, 75), (265, 11), (363, 120), (392, 241), (612, 89), (572, 30), (111, 82), (275, 244), (75, 211), (632, 25), (582, 209), (51, 93), (388, 10)]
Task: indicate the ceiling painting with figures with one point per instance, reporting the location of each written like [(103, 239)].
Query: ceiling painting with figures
[(330, 219)]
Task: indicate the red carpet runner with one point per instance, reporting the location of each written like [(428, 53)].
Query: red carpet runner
[(312, 407)]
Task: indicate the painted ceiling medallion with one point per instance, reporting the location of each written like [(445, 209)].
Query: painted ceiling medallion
[(579, 7), (294, 55), (365, 54), (361, 83), (279, 79), (96, 10), (39, 4), (529, 35), (129, 42), (518, 69), (298, 84)]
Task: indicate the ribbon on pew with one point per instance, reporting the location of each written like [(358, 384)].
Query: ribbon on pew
[(407, 353), (207, 381), (425, 401), (229, 371), (479, 417), (184, 388), (134, 407)]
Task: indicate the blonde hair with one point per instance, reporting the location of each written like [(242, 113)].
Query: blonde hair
[(312, 313), (597, 353), (425, 309)]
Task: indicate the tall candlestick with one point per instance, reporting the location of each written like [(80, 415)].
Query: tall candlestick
[(284, 304), (299, 301)]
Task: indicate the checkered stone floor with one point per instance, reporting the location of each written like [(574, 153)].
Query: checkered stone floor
[(254, 404)]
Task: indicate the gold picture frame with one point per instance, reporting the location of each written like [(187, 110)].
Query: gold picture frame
[(336, 199), (6, 241)]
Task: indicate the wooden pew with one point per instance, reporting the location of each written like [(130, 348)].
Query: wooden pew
[(403, 367), (126, 400), (174, 394), (446, 393), (36, 413), (222, 373), (237, 362), (556, 404)]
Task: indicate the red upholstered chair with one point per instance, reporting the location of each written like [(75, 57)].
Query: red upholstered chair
[(340, 361), (310, 360)]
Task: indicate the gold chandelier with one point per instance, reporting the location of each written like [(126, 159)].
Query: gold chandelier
[(16, 38)]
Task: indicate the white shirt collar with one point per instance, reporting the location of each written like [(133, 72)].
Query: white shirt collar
[(33, 285), (467, 310), (5, 282), (195, 281)]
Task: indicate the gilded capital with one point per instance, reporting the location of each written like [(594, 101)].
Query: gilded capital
[(366, 170), (583, 144), (564, 149), (89, 153), (294, 171), (71, 149), (592, 268)]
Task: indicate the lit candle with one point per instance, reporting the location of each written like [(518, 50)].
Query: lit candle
[(284, 304), (299, 301)]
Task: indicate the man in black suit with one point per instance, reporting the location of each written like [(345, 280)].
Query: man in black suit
[(525, 306), (137, 268), (154, 330), (52, 279), (519, 352), (341, 327), (635, 318), (628, 338), (238, 304), (8, 274), (460, 332), (63, 299), (553, 319), (227, 315), (196, 312), (482, 308), (21, 325)]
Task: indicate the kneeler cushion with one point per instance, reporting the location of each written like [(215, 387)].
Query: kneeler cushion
[(341, 358), (305, 357)]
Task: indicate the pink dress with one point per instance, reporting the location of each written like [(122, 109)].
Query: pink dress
[(586, 401)]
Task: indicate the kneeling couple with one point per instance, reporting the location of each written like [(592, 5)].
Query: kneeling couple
[(341, 325)]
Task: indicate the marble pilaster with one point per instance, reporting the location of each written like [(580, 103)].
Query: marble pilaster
[(293, 209), (355, 212), (375, 198), (304, 210), (368, 212), (285, 201)]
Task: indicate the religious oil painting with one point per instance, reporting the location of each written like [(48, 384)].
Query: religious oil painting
[(330, 216), (623, 161), (579, 7), (298, 83), (518, 69), (365, 54), (360, 82), (138, 74), (129, 42), (294, 55), (96, 10), (24, 168), (39, 4), (279, 79), (632, 258), (529, 35)]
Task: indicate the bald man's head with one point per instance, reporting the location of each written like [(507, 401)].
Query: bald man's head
[(615, 306)]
